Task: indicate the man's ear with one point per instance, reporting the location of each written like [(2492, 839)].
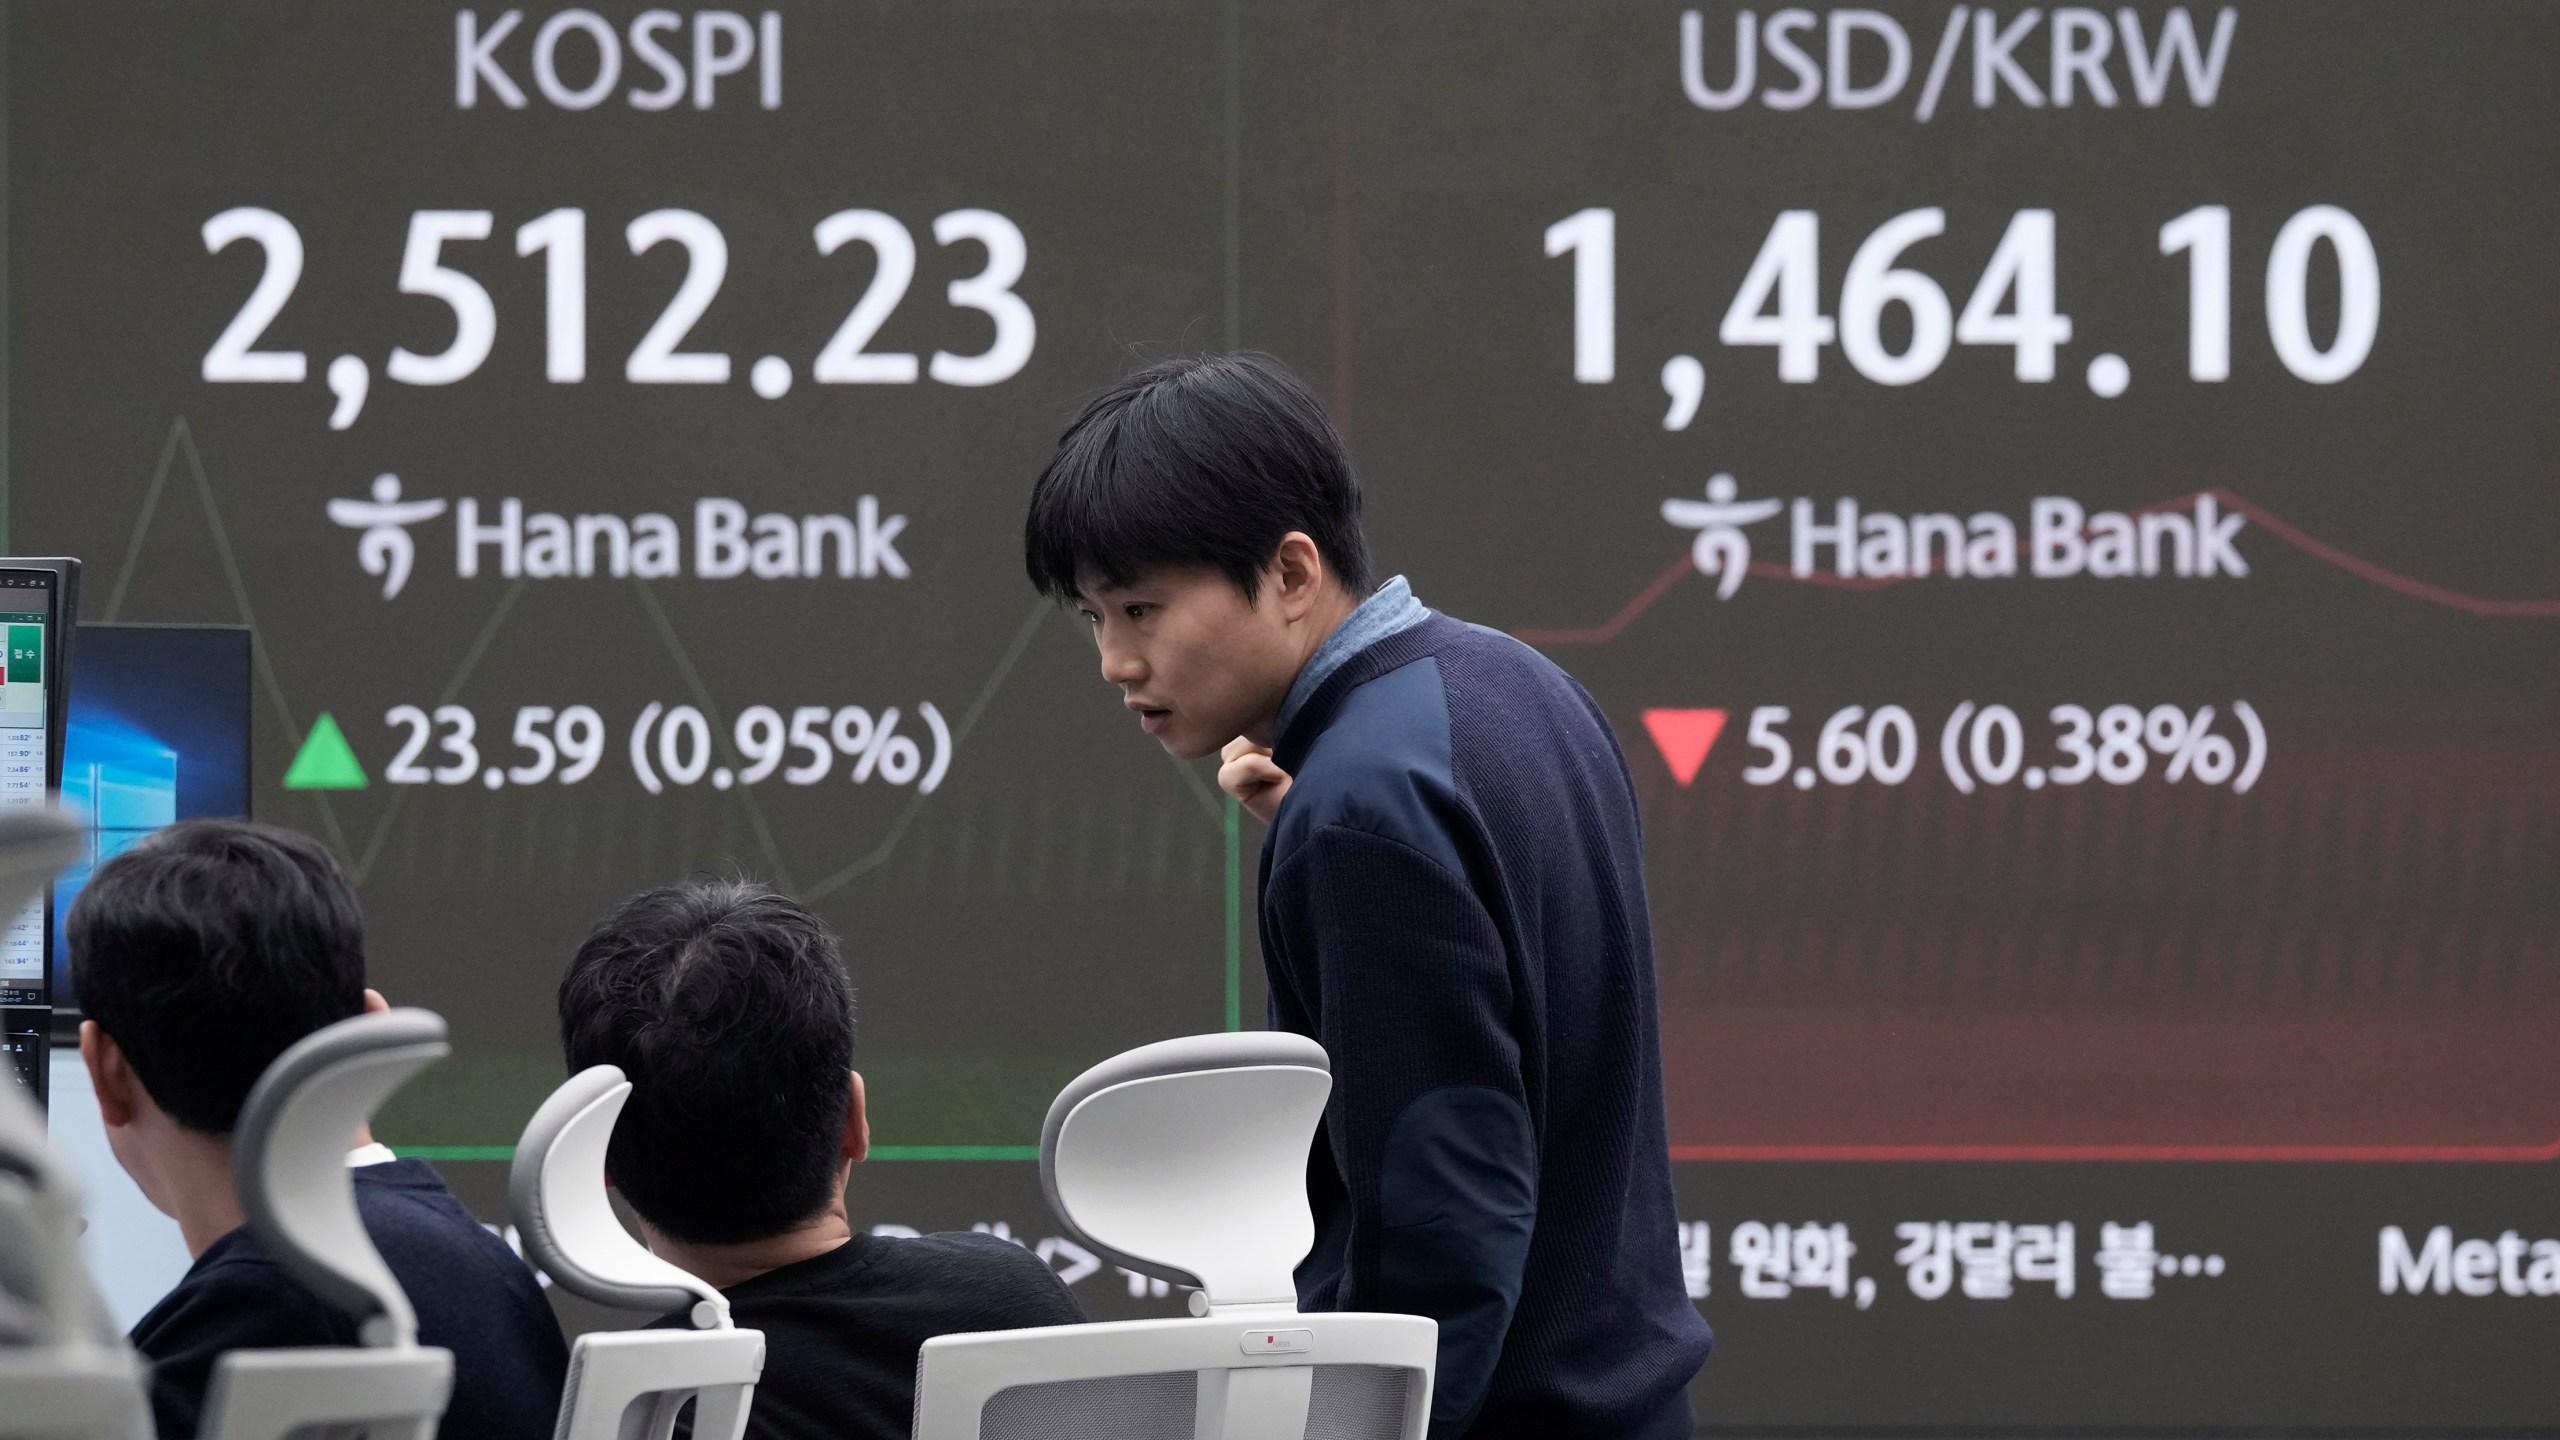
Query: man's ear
[(111, 1076), (1297, 574), (374, 1004), (857, 1121)]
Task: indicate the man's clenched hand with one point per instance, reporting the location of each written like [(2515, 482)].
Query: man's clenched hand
[(1246, 772)]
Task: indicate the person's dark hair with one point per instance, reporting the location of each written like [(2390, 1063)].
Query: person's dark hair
[(728, 1008), (208, 949), (1200, 460)]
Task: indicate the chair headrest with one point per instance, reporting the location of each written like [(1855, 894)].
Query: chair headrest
[(35, 843), (44, 1289), (289, 1160), (1187, 1160), (41, 1278), (568, 1226)]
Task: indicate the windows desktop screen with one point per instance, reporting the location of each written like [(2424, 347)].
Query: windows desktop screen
[(158, 732)]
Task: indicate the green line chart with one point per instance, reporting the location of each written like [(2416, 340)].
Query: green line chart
[(365, 852)]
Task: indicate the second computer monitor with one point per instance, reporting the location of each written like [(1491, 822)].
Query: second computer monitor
[(159, 732)]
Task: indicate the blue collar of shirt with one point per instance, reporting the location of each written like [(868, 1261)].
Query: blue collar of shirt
[(1390, 610)]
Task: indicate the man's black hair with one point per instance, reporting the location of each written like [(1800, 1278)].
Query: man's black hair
[(728, 1008), (209, 948), (1199, 460)]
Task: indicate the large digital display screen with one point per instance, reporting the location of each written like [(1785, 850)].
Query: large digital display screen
[(2056, 502)]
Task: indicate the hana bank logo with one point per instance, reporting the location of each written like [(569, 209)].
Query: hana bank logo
[(2194, 538), (1721, 550), (384, 547), (727, 542)]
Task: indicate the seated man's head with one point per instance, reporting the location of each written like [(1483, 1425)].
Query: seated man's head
[(1203, 515), (199, 956), (728, 1008)]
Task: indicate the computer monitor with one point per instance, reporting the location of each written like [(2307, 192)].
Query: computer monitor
[(158, 731), (38, 599)]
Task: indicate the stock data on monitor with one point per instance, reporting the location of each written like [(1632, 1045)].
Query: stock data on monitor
[(26, 619)]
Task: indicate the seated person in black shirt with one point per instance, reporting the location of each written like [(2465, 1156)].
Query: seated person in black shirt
[(200, 955), (729, 1009)]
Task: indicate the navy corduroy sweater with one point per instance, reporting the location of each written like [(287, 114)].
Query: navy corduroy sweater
[(1453, 904)]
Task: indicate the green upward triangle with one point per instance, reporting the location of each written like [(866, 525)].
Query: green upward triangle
[(325, 761)]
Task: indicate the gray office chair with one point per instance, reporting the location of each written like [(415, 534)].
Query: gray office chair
[(289, 1162), (65, 1370), (630, 1384), (1186, 1160)]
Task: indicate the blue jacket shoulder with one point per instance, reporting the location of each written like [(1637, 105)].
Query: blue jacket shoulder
[(1382, 765)]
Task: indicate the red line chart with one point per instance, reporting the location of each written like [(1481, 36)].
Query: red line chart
[(2274, 524)]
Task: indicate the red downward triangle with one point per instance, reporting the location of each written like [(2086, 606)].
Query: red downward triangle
[(1684, 737)]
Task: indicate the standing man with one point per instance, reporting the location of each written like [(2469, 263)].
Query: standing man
[(1452, 897)]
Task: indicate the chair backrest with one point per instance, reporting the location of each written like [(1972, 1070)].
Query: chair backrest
[(628, 1383), (65, 1370), (1339, 1376), (1187, 1160), (289, 1162)]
